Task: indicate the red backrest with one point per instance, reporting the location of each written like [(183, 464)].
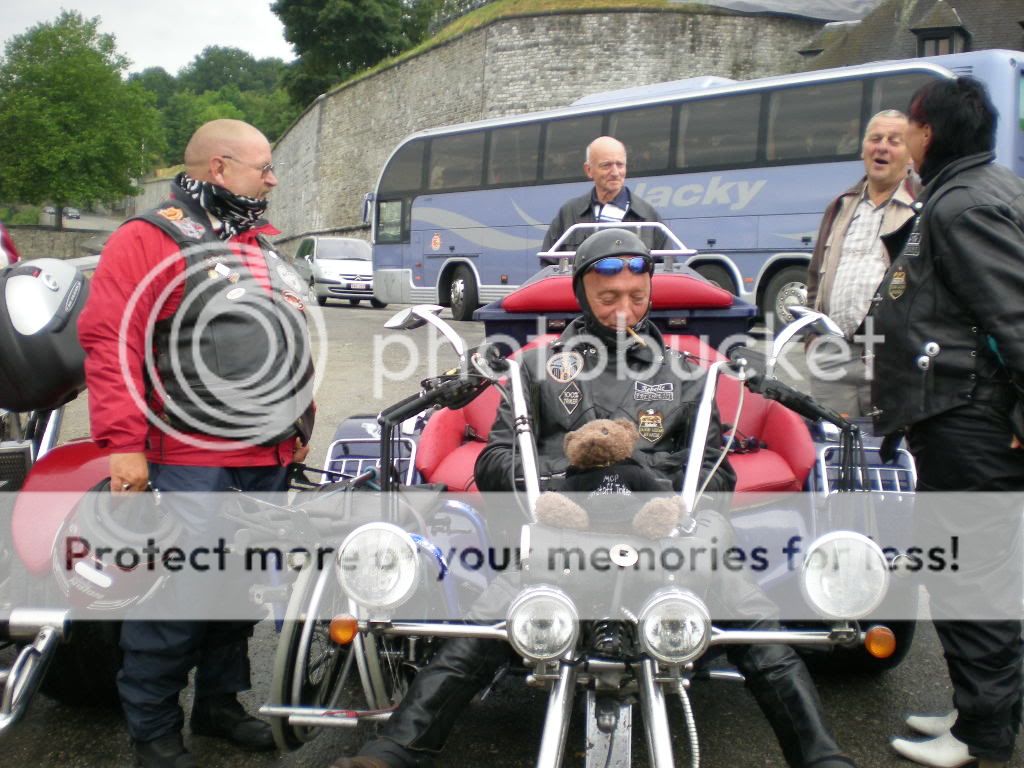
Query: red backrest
[(668, 291)]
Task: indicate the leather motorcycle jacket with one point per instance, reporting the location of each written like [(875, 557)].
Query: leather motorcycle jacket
[(234, 361), (579, 378), (950, 307)]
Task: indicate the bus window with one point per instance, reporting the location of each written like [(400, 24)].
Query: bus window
[(389, 221), (514, 155), (815, 122), (405, 170), (716, 133), (894, 91), (457, 162), (645, 132), (565, 147)]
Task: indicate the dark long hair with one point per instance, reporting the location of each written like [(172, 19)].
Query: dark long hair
[(962, 119)]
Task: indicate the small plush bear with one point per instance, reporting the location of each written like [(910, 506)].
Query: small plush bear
[(601, 466)]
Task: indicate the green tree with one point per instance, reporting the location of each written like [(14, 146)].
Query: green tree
[(218, 66), (72, 130), (157, 81), (186, 111), (334, 39), (219, 82)]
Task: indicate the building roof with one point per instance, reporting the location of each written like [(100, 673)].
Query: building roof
[(888, 31)]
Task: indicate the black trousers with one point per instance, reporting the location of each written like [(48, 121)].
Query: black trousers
[(775, 675), (158, 655), (968, 449)]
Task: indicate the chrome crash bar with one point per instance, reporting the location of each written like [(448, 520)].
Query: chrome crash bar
[(43, 630)]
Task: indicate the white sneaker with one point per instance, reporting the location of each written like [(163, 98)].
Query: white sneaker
[(932, 725), (945, 751)]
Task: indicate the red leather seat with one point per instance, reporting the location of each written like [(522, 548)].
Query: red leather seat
[(452, 440), (784, 464)]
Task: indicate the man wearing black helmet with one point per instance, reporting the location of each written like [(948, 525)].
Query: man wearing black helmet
[(583, 376)]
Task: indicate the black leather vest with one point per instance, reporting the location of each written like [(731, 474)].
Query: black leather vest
[(935, 354), (234, 361)]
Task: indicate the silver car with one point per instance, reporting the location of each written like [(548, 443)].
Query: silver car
[(339, 268)]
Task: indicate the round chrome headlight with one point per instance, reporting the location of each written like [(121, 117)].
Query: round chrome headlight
[(845, 575), (542, 623), (378, 566), (675, 626)]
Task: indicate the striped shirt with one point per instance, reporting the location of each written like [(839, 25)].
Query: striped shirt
[(862, 265)]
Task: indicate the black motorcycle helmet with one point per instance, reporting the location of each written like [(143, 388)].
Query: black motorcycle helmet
[(604, 244)]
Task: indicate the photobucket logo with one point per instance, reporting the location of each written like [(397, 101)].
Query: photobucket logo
[(234, 362), (810, 358)]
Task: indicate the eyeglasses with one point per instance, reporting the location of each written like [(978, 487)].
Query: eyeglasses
[(263, 169), (612, 265)]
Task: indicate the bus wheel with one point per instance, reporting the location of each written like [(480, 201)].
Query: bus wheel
[(718, 275), (354, 302), (787, 288), (377, 304), (463, 294)]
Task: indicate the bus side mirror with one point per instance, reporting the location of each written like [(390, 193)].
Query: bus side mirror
[(368, 200)]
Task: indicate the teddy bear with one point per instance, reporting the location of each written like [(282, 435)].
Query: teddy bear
[(601, 466)]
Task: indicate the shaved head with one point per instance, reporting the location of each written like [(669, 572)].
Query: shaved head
[(231, 154), (219, 138)]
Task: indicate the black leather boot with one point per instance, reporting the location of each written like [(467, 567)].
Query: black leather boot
[(163, 752), (223, 717), (438, 695), (786, 694)]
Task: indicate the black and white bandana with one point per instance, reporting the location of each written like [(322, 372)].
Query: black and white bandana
[(236, 212)]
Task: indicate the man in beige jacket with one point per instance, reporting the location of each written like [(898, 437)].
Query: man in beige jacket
[(849, 262)]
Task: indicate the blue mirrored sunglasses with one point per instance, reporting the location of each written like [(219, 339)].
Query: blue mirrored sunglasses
[(612, 265)]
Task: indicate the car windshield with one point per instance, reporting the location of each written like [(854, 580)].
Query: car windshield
[(343, 249)]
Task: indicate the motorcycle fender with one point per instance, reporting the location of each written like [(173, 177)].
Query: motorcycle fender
[(54, 486)]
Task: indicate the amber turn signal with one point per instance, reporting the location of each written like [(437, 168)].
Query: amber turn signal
[(343, 629), (879, 641)]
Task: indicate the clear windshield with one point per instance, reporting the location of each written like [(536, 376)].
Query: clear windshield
[(343, 249)]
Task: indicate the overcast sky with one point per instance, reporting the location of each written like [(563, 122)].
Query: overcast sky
[(167, 35)]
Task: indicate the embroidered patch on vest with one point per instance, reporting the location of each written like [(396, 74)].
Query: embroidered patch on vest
[(565, 366), (651, 392), (651, 425), (190, 228), (294, 300), (171, 214), (913, 247), (898, 284), (570, 397), (289, 278)]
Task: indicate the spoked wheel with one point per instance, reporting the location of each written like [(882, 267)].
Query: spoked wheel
[(312, 671), (309, 669)]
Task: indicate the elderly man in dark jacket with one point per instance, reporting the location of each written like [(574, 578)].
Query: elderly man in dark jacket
[(609, 201), (950, 372)]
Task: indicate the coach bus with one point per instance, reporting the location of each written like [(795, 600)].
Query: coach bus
[(740, 170)]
